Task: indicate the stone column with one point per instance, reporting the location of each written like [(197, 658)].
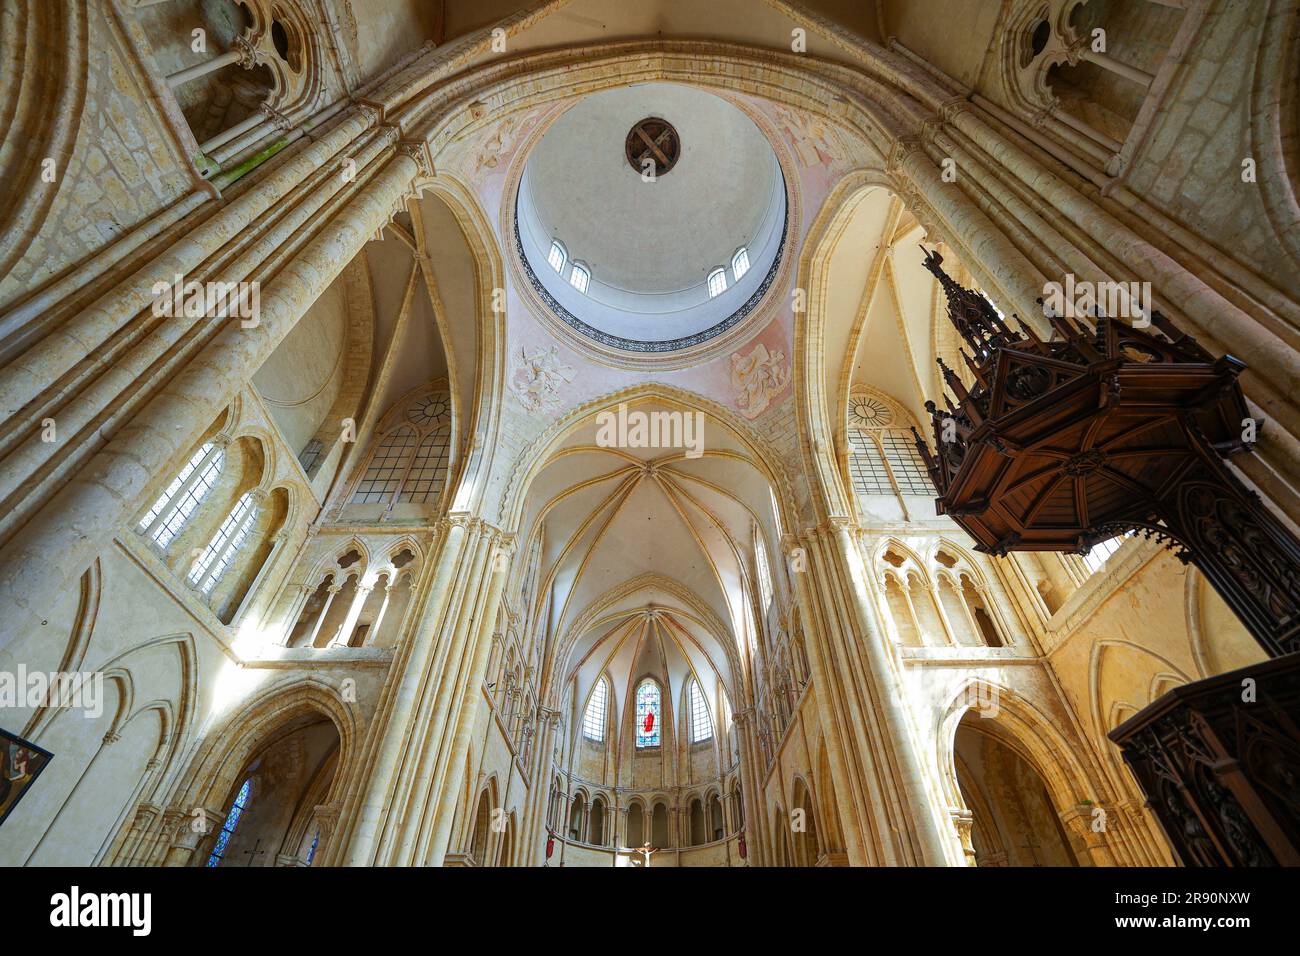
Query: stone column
[(409, 799), (1088, 822), (354, 612), (964, 822), (241, 52), (46, 556), (195, 827), (330, 593), (876, 769), (752, 766)]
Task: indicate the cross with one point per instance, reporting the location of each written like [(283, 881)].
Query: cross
[(645, 852), (254, 851), (1030, 846), (653, 145)]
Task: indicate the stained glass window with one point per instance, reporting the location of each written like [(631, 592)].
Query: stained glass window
[(905, 461), (593, 721), (228, 828), (867, 466), (701, 725), (428, 471), (647, 714), (311, 454), (311, 850)]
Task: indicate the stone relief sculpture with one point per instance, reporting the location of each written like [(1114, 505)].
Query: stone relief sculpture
[(538, 378), (757, 378)]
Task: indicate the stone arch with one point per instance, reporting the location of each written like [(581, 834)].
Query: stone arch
[(470, 461), (479, 836), (50, 92), (807, 844), (1027, 732), (134, 755), (1275, 126), (637, 833), (1106, 709), (281, 708)]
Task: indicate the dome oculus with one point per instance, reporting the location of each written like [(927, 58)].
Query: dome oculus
[(653, 142), (650, 268)]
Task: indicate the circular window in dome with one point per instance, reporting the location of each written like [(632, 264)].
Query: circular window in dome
[(652, 146), (648, 250)]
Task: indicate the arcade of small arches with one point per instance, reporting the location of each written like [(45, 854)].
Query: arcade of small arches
[(366, 583)]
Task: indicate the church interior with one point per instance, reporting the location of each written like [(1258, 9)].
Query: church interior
[(582, 433)]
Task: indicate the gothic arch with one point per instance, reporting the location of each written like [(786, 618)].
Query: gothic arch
[(474, 429), (1026, 731), (266, 717)]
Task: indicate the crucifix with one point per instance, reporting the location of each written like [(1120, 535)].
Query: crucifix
[(645, 852), (254, 851), (1030, 845)]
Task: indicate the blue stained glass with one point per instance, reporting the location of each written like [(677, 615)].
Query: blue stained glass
[(647, 714), (228, 828), (311, 851)]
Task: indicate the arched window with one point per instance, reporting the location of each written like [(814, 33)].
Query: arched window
[(557, 256), (175, 505), (479, 832), (387, 465), (701, 725), (576, 813), (647, 714), (225, 544), (580, 277), (867, 466), (232, 821), (882, 454), (905, 462), (740, 263), (593, 721), (428, 472), (1100, 553), (717, 282), (764, 572), (596, 828)]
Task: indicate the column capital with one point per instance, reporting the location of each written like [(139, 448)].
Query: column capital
[(418, 150), (249, 55), (1088, 821)]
